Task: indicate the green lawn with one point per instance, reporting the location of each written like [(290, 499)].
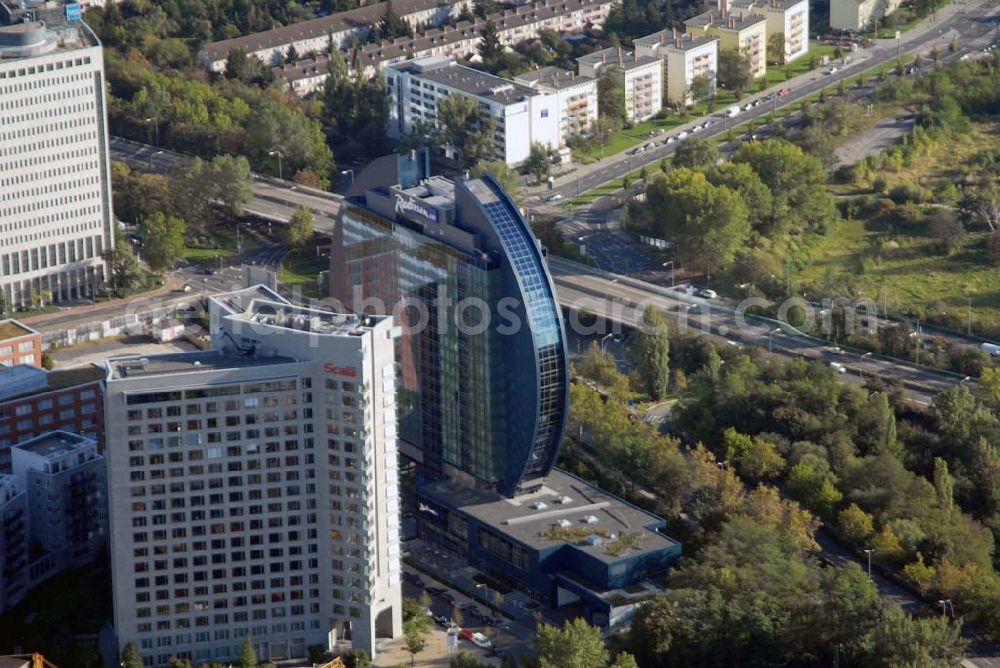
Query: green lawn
[(912, 272), (204, 255), (301, 267), (777, 74), (905, 19)]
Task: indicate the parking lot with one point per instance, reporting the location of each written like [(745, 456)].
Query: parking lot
[(611, 248), (510, 632)]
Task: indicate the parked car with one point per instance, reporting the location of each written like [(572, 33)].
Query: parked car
[(682, 135), (442, 621), (555, 197), (465, 634), (838, 367), (832, 70), (784, 91), (481, 641), (708, 294)]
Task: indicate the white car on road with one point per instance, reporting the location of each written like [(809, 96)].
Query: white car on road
[(838, 367)]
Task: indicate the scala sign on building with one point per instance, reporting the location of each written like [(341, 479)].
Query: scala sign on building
[(73, 12), (405, 206), (346, 371)]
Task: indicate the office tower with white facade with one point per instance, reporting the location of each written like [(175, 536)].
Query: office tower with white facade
[(65, 480), (13, 542), (254, 486), (55, 196)]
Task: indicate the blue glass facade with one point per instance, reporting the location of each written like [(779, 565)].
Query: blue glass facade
[(488, 402), (537, 377)]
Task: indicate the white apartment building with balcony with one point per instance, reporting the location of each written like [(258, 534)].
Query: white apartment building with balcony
[(55, 197), (860, 15), (576, 98), (254, 486), (788, 18), (641, 77), (685, 58), (745, 33), (523, 116)]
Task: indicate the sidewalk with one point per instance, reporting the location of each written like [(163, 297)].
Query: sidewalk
[(103, 310), (909, 42)]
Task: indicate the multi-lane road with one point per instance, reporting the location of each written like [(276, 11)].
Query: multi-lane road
[(273, 199), (622, 299), (972, 27)]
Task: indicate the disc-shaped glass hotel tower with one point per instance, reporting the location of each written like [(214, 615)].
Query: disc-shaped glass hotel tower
[(483, 368)]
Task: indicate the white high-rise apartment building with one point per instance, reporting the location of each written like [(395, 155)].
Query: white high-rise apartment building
[(55, 196), (253, 487), (522, 116)]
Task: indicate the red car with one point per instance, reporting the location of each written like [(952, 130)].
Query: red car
[(466, 634), (784, 91)]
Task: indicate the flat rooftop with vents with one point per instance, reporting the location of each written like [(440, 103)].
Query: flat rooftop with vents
[(133, 366), (565, 541), (445, 72), (565, 510), (55, 444)]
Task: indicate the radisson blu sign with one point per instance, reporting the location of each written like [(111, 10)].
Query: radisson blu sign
[(404, 206)]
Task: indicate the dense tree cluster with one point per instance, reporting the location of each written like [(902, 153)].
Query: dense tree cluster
[(213, 118), (745, 214), (883, 480), (751, 591)]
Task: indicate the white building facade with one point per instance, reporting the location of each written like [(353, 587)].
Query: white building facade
[(523, 116), (254, 486), (685, 59), (55, 197), (860, 15), (641, 76), (790, 19), (576, 98)]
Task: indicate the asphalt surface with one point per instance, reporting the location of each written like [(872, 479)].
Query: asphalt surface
[(273, 199), (621, 299), (974, 29), (876, 138)]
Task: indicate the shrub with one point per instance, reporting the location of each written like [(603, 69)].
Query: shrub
[(904, 193)]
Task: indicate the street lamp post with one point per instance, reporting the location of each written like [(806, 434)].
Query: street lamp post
[(345, 172), (944, 606), (156, 129), (671, 263), (771, 333), (869, 553), (280, 156), (604, 340)]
